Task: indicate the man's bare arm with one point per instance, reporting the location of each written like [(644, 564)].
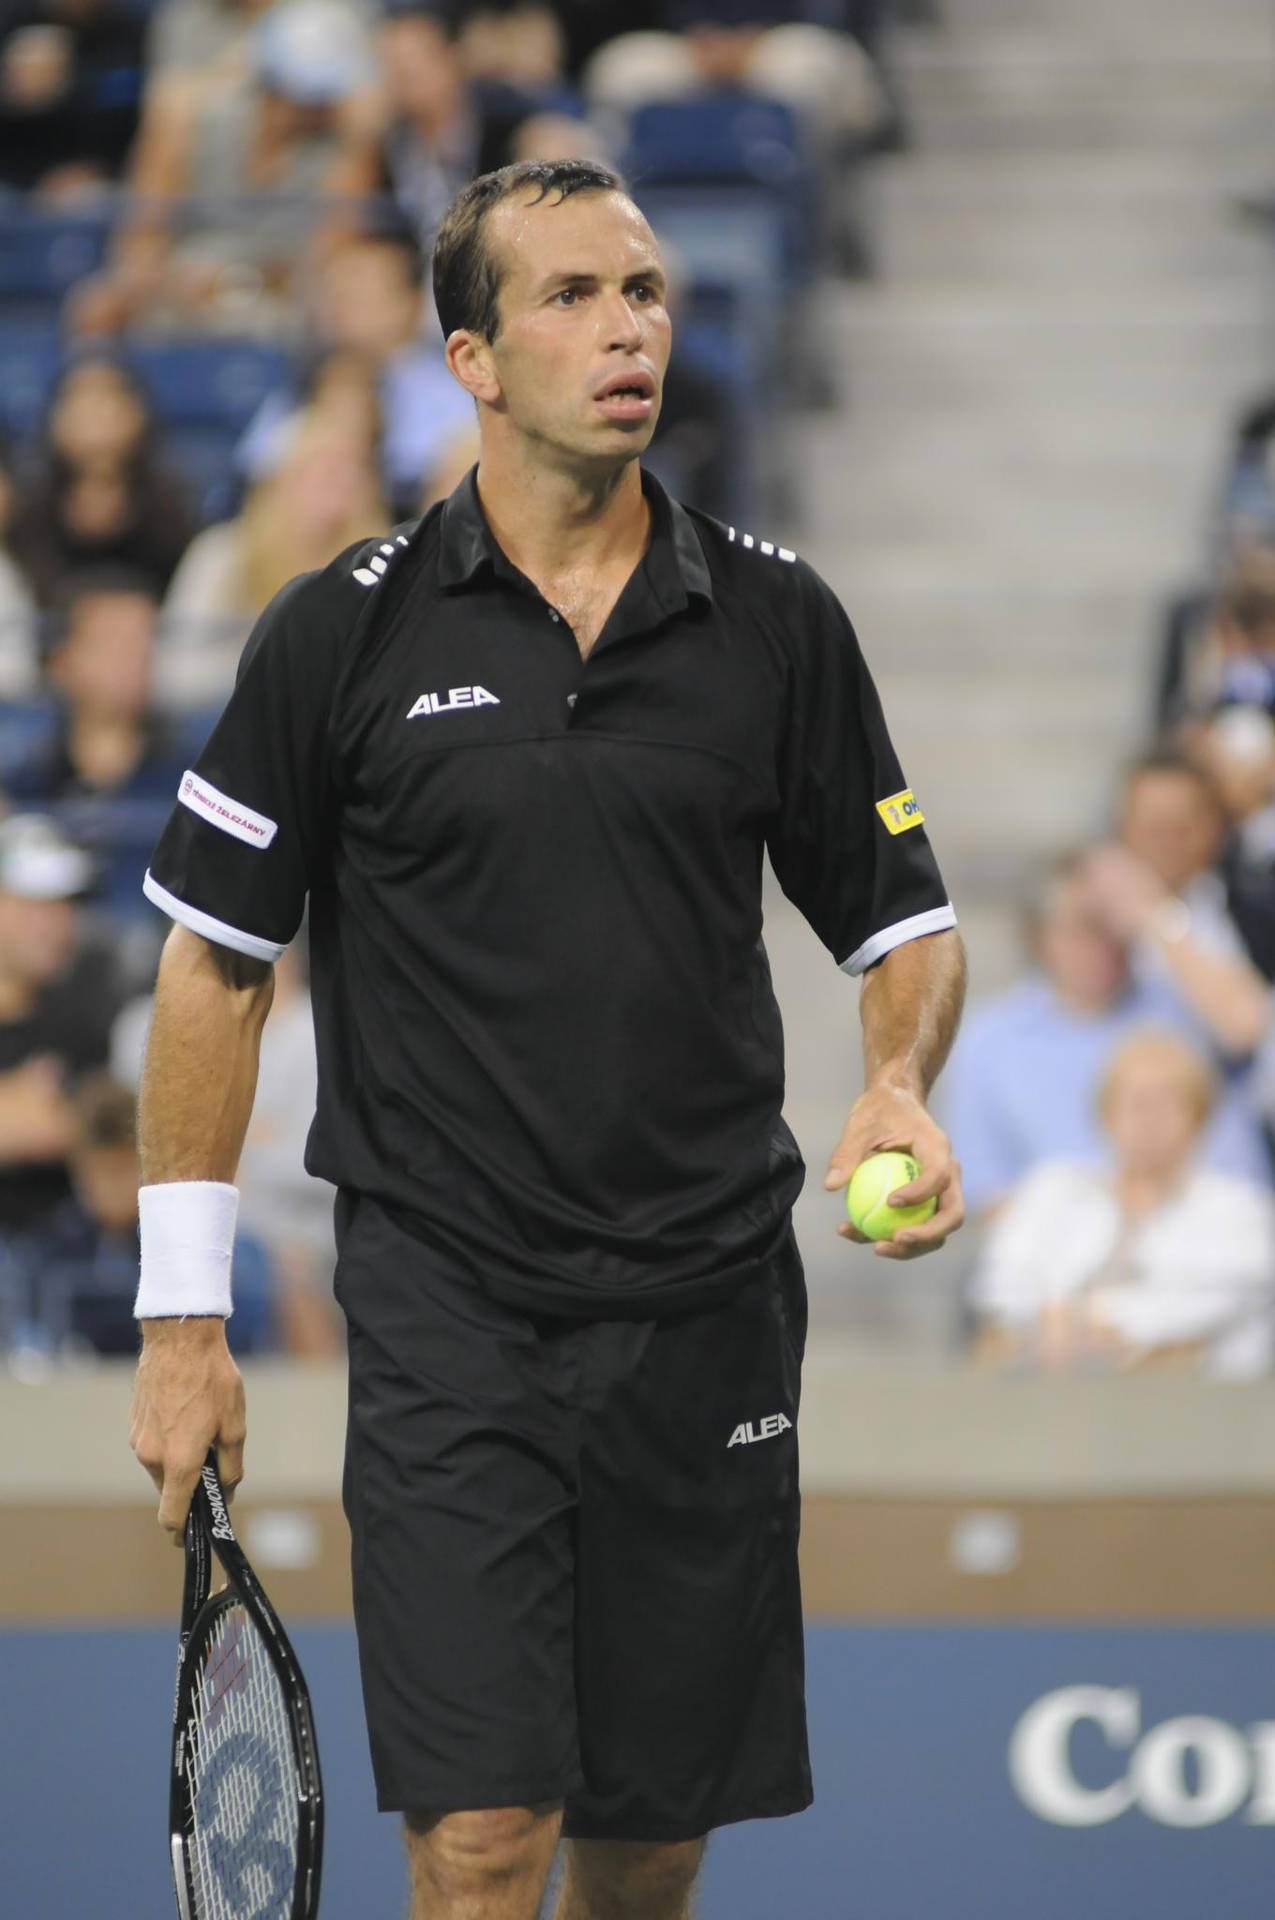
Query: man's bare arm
[(910, 1006), (197, 1091)]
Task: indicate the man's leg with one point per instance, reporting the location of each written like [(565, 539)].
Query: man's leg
[(487, 1865), (629, 1879)]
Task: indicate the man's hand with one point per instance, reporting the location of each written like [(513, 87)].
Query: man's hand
[(1122, 891), (187, 1397), (889, 1116)]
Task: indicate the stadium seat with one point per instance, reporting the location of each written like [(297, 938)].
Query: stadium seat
[(209, 382), (716, 139), (42, 255), (27, 727), (29, 358), (727, 145)]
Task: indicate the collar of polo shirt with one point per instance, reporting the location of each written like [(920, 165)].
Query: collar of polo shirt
[(673, 569)]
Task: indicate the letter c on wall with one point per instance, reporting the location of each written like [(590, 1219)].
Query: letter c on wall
[(1040, 1754)]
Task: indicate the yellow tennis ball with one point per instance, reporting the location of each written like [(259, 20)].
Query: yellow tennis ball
[(867, 1195)]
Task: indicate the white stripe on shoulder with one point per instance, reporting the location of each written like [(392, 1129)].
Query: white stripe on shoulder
[(204, 924), (767, 547), (232, 816), (877, 945)]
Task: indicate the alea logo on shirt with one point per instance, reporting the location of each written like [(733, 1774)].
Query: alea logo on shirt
[(901, 811), (456, 698), (750, 1431)]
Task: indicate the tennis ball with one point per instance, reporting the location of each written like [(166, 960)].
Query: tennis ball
[(867, 1195)]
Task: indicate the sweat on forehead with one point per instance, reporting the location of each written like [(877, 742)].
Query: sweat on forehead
[(540, 238)]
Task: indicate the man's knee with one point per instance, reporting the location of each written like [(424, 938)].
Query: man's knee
[(462, 1854), (633, 1879)]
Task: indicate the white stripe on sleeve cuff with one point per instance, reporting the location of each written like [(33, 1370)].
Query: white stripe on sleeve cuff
[(877, 945), (203, 923)]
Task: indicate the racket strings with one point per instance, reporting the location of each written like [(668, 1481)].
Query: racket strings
[(244, 1785)]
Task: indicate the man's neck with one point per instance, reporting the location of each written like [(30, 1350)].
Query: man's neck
[(1143, 1192), (551, 523), (17, 996), (104, 748)]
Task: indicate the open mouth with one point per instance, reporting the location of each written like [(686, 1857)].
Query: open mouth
[(627, 396)]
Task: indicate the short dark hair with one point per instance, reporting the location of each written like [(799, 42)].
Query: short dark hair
[(466, 278), (105, 1112), (1167, 760), (397, 238)]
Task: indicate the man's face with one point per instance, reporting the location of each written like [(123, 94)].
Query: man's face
[(1152, 1111), (579, 357), (106, 1180), (367, 300), (1170, 821), (420, 68), (104, 664), (37, 937), (1086, 965)]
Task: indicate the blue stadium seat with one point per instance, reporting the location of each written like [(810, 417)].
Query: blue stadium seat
[(716, 139), (731, 144), (29, 358), (27, 728), (42, 255), (209, 382)]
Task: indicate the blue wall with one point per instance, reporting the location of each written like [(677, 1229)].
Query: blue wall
[(916, 1817)]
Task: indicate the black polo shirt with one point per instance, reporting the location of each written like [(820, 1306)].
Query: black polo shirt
[(545, 1023)]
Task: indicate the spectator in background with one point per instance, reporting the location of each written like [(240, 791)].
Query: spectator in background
[(1149, 1260), (19, 620), (1220, 648), (697, 46), (517, 43), (1024, 1075), (1158, 888), (101, 493), (59, 993), (433, 130), (107, 766), (69, 1283), (1236, 747), (369, 302), (231, 182), (323, 495), (209, 38), (453, 463), (284, 1209), (70, 81)]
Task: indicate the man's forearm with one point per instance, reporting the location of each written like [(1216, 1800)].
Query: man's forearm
[(200, 1075), (910, 1007)]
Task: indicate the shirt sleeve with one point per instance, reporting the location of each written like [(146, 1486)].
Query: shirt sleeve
[(974, 1112), (849, 846), (249, 831)]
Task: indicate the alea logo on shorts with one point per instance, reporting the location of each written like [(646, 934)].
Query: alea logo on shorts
[(901, 811), (456, 697), (749, 1431)]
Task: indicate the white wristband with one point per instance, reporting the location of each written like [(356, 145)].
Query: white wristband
[(188, 1237)]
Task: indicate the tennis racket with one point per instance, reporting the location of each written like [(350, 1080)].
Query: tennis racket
[(245, 1801)]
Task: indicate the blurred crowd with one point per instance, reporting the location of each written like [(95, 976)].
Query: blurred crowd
[(219, 365), (1115, 1109)]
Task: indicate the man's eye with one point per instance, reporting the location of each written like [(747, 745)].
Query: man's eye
[(644, 292), (567, 296)]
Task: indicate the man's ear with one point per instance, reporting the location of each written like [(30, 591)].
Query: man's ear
[(469, 357)]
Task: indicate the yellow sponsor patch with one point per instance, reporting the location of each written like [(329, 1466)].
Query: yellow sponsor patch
[(900, 811)]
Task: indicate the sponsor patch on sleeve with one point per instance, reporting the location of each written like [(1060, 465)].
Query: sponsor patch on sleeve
[(900, 811), (221, 811)]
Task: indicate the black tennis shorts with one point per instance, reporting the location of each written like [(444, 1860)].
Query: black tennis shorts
[(574, 1547)]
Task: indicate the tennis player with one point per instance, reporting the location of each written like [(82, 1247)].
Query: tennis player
[(524, 758)]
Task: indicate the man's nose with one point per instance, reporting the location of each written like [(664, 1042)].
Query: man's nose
[(622, 322)]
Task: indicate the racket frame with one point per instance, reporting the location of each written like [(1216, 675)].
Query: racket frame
[(209, 1530)]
